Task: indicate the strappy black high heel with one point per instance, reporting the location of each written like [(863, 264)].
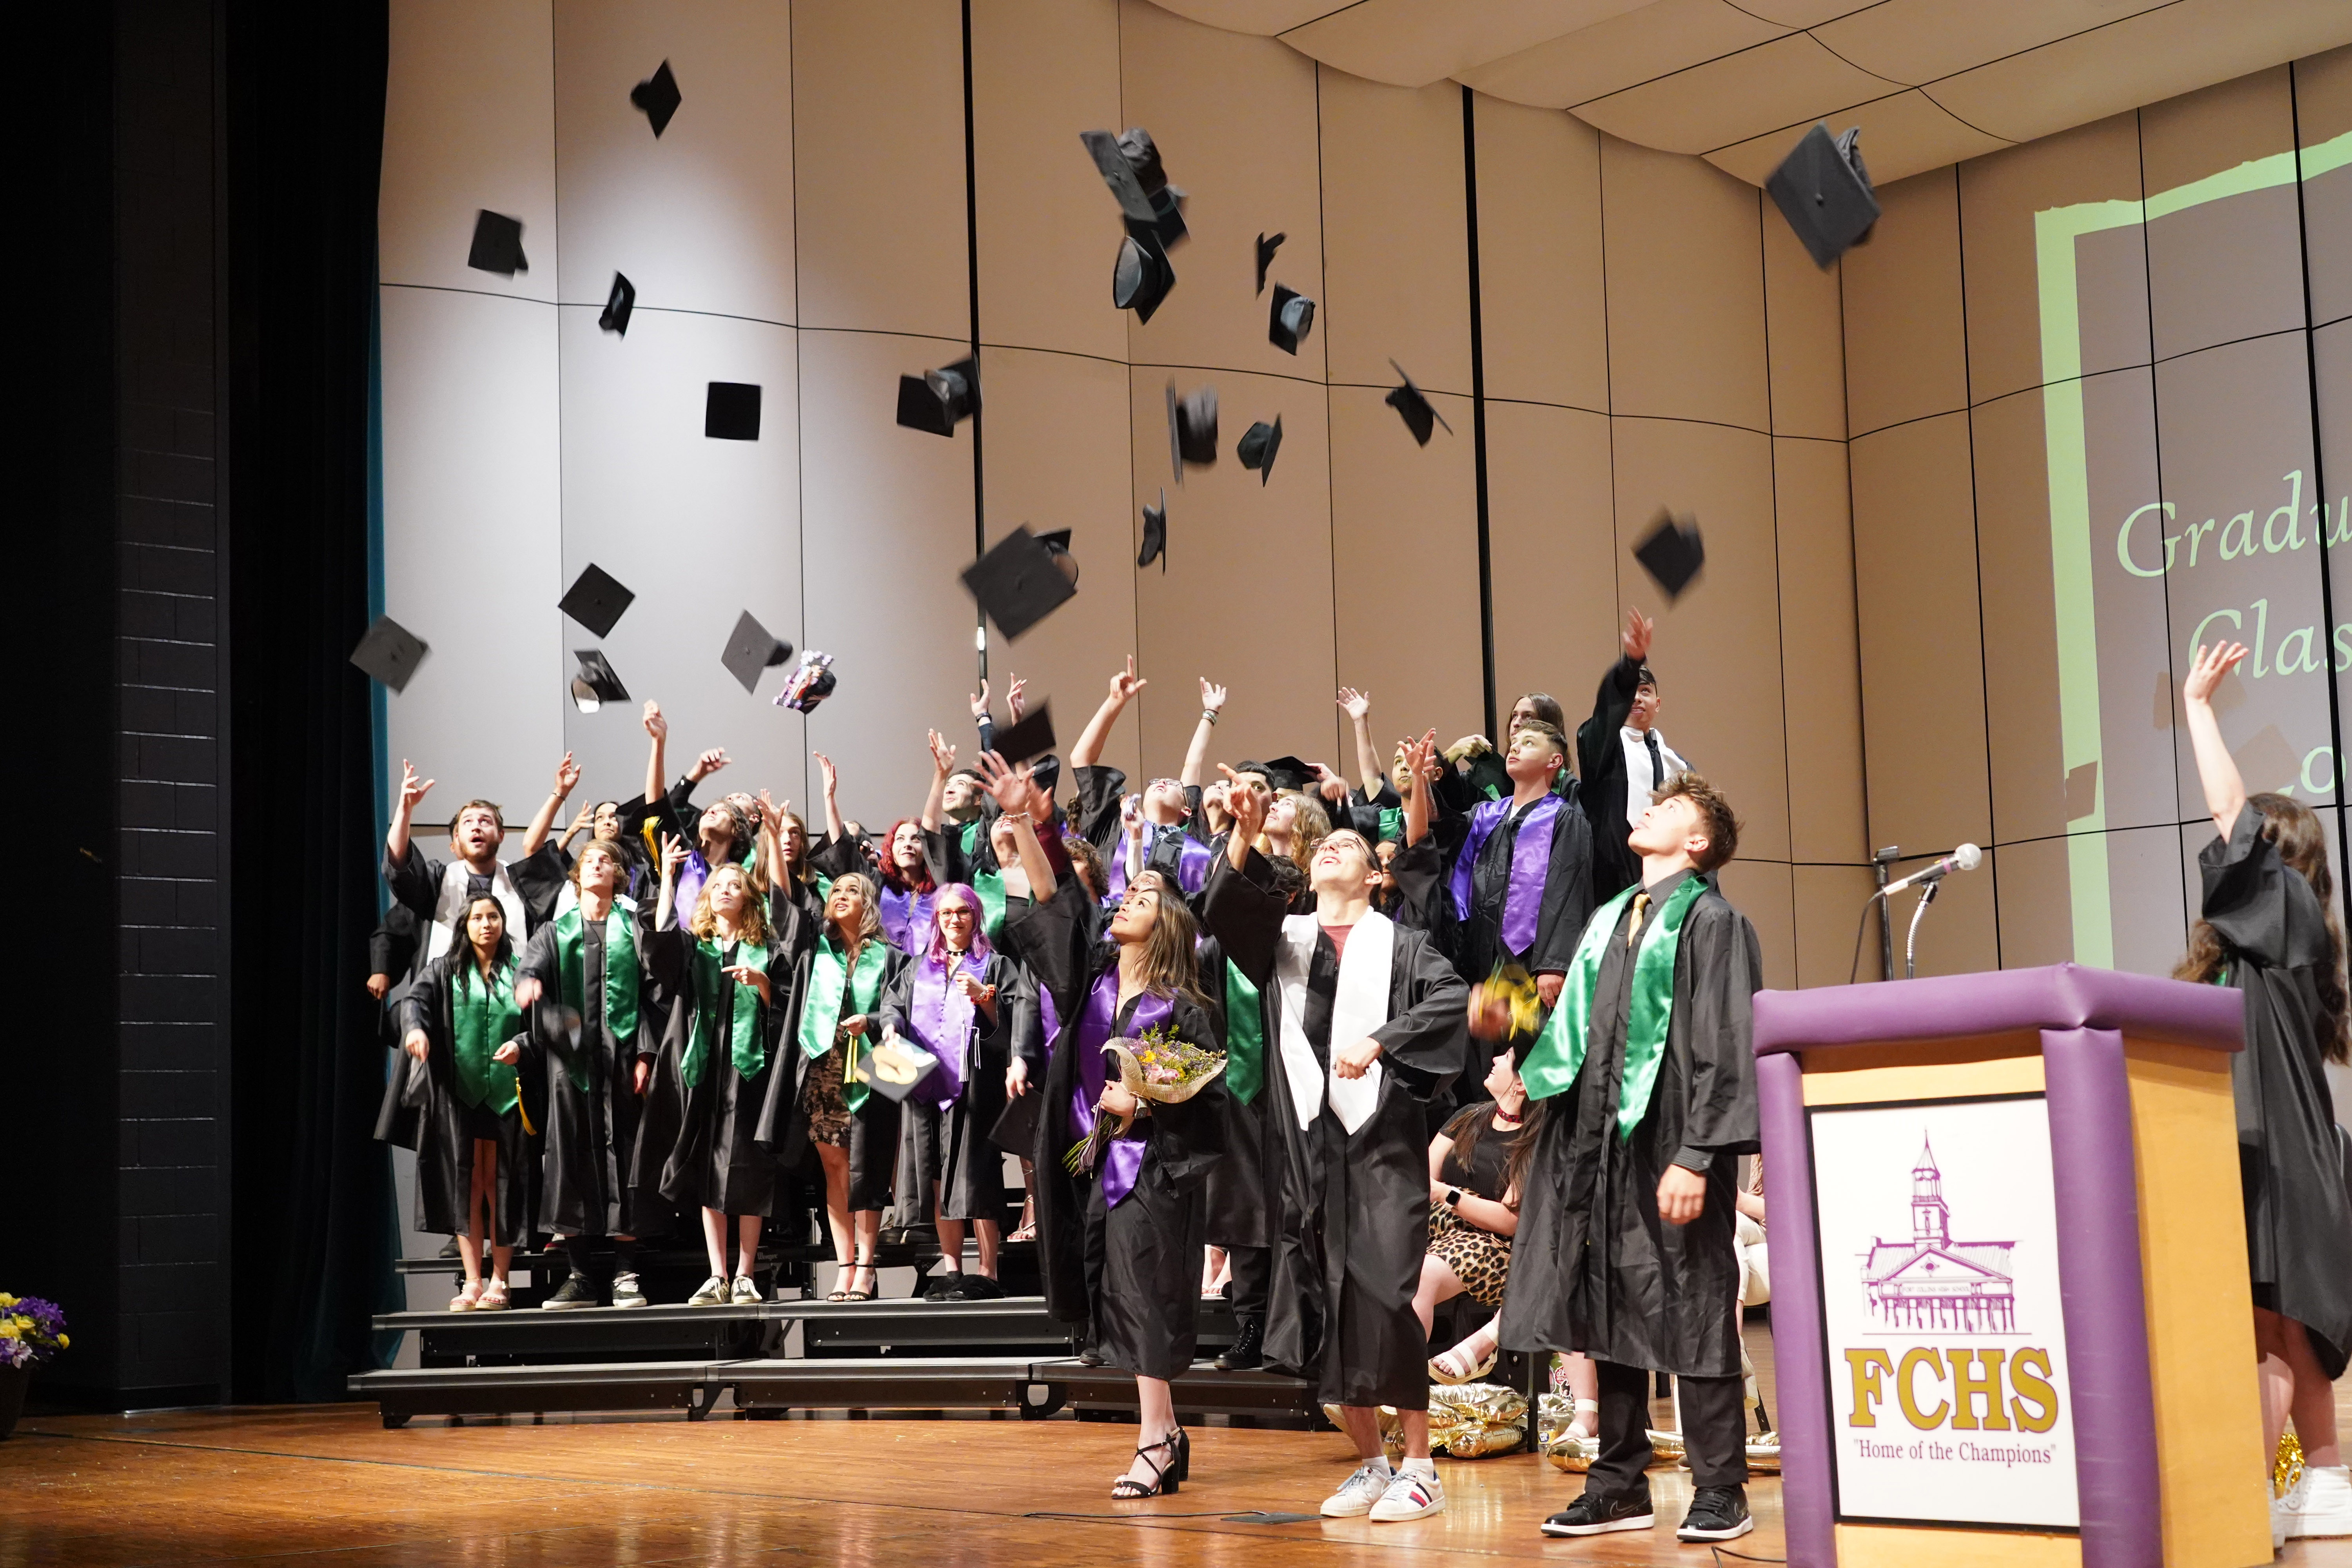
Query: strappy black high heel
[(1166, 1478)]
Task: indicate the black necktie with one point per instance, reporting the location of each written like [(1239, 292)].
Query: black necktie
[(1657, 763)]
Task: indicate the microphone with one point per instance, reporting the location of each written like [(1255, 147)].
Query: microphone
[(1967, 858)]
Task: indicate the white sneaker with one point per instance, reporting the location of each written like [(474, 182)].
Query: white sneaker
[(2284, 1508), (745, 1292), (1360, 1491), (713, 1294), (1410, 1495), (2320, 1504)]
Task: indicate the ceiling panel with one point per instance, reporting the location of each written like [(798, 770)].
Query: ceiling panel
[(1732, 99), (1902, 135), (1808, 13), (1660, 38), (1412, 43), (1919, 41), (1253, 15)]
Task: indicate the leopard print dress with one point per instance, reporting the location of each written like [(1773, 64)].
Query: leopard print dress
[(1481, 1259)]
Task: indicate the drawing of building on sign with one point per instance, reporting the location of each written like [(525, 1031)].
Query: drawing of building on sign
[(1932, 1281)]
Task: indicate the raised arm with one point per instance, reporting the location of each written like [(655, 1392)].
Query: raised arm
[(1123, 688), (411, 790), (1422, 766), (833, 828), (943, 758), (1358, 706), (1196, 756), (657, 728), (1015, 794), (2225, 788), (673, 854), (567, 779)]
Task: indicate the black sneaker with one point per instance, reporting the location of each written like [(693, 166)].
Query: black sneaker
[(1593, 1514), (943, 1288), (575, 1293), (980, 1288), (1248, 1349), (1716, 1513)]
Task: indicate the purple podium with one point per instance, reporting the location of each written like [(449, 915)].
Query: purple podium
[(2011, 1321)]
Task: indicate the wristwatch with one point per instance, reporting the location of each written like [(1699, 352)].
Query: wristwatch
[(1453, 1198)]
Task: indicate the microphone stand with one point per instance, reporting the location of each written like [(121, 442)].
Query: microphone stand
[(1911, 937)]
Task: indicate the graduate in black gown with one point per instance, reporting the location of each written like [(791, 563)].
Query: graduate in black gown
[(1644, 1095), (2269, 928), (1371, 1027), (437, 892), (1621, 758), (456, 1102), (718, 1058), (592, 1042), (1119, 1247), (965, 1003)]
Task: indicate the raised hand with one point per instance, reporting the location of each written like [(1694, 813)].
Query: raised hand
[(1213, 697), (1246, 806), (412, 788), (980, 700), (1421, 760), (567, 777), (772, 811), (826, 771), (673, 853), (655, 725), (1130, 816), (1009, 785), (1125, 685), (709, 763), (2205, 675), (1639, 628), (943, 755), (1016, 695), (1328, 785), (1355, 704), (580, 819)]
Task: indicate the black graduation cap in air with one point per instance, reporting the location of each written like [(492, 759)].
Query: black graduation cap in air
[(1057, 545), (1141, 276), (1129, 164), (1289, 321), (1031, 737), (596, 600), (1282, 773), (751, 650), (658, 96), (389, 652), (939, 400), (730, 411), (894, 1068), (1824, 191), (1192, 428), (1414, 407), (1671, 553), (618, 304), (595, 685), (1155, 533), (497, 245), (1018, 582), (1267, 245), (1257, 447)]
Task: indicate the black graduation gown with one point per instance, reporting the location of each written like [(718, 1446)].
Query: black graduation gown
[(970, 1169), (1601, 783), (592, 1181), (2298, 1226), (873, 1127), (1133, 1272), (415, 883), (1353, 1218), (1593, 1268), (1239, 1204), (1567, 904), (422, 1110), (713, 1158)]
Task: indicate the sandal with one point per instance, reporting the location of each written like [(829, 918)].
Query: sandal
[(493, 1298), (873, 1283), (1454, 1366), (1166, 1478), (466, 1301)]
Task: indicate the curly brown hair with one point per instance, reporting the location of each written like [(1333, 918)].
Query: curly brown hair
[(2294, 831), (1714, 812)]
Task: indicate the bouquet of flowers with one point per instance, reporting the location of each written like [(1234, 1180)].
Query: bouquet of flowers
[(1155, 1066), (31, 1329)]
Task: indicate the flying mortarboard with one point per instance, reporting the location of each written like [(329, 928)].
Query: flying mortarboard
[(811, 684), (618, 304), (658, 96), (1824, 191), (1291, 318), (389, 652), (1129, 164), (1414, 407), (894, 1068), (753, 650), (1192, 428), (596, 600), (1057, 545), (939, 400), (1671, 553), (1140, 278), (497, 245), (730, 411), (1281, 772), (1257, 447), (1155, 533), (1018, 582), (1031, 737), (596, 684), (1267, 245)]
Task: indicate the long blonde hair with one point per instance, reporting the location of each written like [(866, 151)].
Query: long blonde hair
[(1172, 966), (870, 895), (1310, 825), (752, 927)]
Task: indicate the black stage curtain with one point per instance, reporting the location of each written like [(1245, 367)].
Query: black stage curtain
[(311, 1240)]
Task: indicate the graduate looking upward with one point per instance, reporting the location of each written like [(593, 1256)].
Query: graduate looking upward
[(1622, 758), (438, 893), (1521, 879)]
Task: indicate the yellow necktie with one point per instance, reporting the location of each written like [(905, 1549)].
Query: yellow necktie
[(1634, 926)]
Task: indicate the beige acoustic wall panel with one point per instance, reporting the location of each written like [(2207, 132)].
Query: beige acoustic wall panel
[(1961, 935), (1829, 900), (1395, 233), (473, 559), (877, 118), (2231, 267), (2323, 103), (699, 218), (1042, 72), (1540, 291), (1718, 651), (1405, 578), (2029, 794), (469, 124), (886, 531), (2152, 903), (1246, 598), (1805, 335), (1552, 532), (701, 530), (1685, 290), (1819, 657), (1765, 891), (1999, 198), (1922, 662), (1905, 350), (1235, 120), (1056, 441), (2036, 908)]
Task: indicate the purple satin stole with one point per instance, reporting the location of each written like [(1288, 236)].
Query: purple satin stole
[(1193, 859), (691, 877), (941, 1019), (1530, 864), (1122, 1158), (906, 919)]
